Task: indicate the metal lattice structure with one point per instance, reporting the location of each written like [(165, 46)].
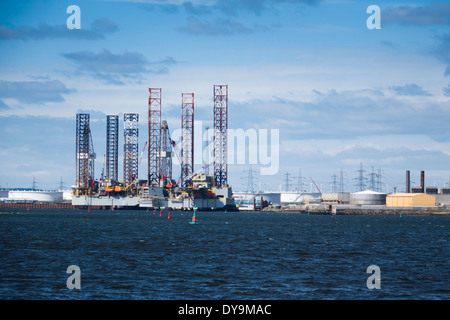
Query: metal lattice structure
[(154, 135), (341, 181), (166, 151), (130, 147), (360, 180), (84, 165), (92, 157), (112, 147), (250, 180), (220, 134), (206, 153), (187, 138)]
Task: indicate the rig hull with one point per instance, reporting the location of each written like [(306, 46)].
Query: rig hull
[(156, 198)]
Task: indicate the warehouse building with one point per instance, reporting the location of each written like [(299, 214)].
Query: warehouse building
[(410, 200)]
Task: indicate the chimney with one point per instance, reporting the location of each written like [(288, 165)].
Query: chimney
[(422, 181), (408, 181)]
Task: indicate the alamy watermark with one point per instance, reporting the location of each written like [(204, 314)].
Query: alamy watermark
[(374, 21), (251, 146), (374, 281), (74, 20), (74, 281)]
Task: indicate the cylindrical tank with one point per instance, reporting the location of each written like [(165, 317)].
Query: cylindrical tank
[(368, 197), (35, 195)]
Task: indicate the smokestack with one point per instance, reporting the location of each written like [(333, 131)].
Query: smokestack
[(408, 181), (422, 181)]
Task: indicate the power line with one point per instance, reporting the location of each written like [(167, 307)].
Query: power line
[(287, 182), (250, 180), (341, 181), (299, 181), (360, 179), (334, 183)]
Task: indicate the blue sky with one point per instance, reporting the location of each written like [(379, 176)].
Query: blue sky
[(339, 93)]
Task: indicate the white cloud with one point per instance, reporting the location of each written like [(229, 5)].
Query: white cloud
[(333, 147)]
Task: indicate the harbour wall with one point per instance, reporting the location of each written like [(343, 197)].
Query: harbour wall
[(363, 210), (49, 205)]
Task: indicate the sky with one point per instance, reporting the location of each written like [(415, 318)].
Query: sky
[(337, 93)]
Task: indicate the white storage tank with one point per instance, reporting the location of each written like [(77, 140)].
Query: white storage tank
[(35, 195), (368, 197)]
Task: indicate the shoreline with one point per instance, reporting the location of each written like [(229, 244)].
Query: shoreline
[(316, 209), (364, 210)]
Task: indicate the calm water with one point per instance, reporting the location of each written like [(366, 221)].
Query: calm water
[(138, 255)]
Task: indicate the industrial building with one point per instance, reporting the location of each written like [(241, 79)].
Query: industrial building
[(410, 200), (441, 195), (336, 197)]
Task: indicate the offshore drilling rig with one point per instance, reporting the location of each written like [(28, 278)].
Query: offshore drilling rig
[(160, 190)]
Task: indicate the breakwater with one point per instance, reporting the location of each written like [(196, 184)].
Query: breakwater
[(46, 205), (363, 210), (313, 209)]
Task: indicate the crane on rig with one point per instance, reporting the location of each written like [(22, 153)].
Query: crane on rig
[(315, 185), (194, 174), (142, 153), (103, 168)]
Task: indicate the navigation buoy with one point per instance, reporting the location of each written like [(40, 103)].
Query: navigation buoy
[(194, 219)]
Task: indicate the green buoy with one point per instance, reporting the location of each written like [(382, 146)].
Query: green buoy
[(194, 219)]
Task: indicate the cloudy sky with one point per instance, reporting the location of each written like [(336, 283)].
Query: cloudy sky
[(339, 93)]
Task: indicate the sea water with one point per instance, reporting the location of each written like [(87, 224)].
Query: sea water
[(126, 254)]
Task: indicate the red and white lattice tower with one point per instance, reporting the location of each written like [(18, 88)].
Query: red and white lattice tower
[(154, 135), (220, 134), (187, 138)]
